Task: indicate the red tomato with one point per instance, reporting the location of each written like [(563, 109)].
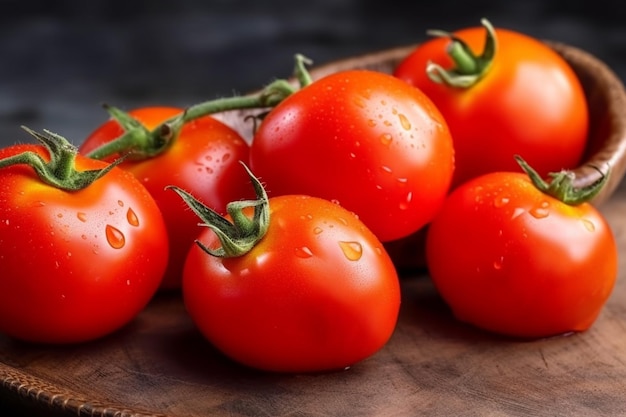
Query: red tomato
[(76, 265), (364, 139), (317, 292), (511, 259), (528, 102), (203, 160)]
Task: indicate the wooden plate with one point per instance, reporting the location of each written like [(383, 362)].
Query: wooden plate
[(433, 365)]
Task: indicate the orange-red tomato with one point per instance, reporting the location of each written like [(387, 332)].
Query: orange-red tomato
[(513, 260), (318, 292), (528, 102), (203, 160), (76, 265), (365, 139)]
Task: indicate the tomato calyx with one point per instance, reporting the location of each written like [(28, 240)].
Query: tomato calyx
[(137, 142), (59, 171), (239, 236), (468, 68), (561, 186)]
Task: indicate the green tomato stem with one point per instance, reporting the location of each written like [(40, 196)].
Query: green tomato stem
[(561, 185), (240, 236), (141, 143), (59, 171), (468, 67)]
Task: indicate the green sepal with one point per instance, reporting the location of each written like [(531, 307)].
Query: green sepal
[(468, 67), (239, 236), (59, 171), (561, 186)]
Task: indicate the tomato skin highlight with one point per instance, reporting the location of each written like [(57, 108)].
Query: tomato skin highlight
[(317, 293), (204, 160), (530, 102), (78, 265), (364, 139), (510, 259)]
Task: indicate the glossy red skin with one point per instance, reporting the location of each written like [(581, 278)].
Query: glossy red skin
[(204, 160), (297, 302), (364, 139), (512, 260), (529, 103), (62, 281)]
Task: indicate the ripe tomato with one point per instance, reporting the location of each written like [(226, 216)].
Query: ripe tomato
[(364, 139), (317, 292), (525, 100), (204, 160), (508, 258), (76, 265)]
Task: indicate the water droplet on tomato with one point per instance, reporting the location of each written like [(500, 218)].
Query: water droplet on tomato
[(497, 264), (82, 216), (351, 250), (132, 218), (317, 230), (115, 237), (120, 203), (303, 252), (386, 169), (501, 202), (404, 122), (359, 102), (386, 139), (407, 201), (540, 212), (225, 157), (589, 225)]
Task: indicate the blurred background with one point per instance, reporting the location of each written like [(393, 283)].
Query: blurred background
[(60, 60)]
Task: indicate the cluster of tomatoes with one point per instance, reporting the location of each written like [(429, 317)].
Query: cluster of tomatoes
[(278, 244)]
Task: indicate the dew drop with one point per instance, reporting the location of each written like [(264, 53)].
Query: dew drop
[(303, 252), (115, 237), (386, 169), (539, 212), (82, 216), (132, 218), (386, 139), (317, 230), (497, 264), (589, 225), (59, 215), (352, 250), (120, 203), (406, 125), (225, 157), (500, 202), (407, 201)]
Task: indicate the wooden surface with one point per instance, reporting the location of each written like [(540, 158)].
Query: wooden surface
[(433, 365)]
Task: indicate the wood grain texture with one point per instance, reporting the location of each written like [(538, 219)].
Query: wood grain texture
[(433, 365)]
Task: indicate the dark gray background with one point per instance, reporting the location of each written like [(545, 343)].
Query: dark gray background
[(60, 60)]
